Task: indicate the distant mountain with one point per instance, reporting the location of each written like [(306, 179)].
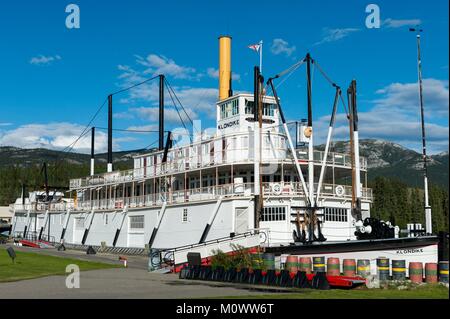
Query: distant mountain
[(394, 160), (30, 157), (384, 159)]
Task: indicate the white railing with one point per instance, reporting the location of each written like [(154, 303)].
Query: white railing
[(184, 164), (227, 244), (170, 197), (327, 190), (62, 206), (213, 193)]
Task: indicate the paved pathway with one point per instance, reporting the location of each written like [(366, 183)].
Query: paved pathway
[(133, 282)]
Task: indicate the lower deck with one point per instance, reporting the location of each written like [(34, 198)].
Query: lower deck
[(175, 225)]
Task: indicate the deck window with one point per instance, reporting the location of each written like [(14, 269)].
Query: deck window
[(333, 214), (273, 214), (185, 215), (137, 222), (79, 223), (249, 107)]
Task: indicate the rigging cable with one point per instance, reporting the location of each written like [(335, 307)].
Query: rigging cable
[(176, 97), (135, 85), (178, 112), (129, 130)]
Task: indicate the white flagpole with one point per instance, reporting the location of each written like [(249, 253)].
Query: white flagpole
[(260, 55)]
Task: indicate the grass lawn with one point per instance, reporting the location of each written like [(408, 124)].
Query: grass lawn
[(32, 265), (422, 292)]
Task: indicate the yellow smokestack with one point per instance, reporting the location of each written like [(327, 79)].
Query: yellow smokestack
[(225, 90)]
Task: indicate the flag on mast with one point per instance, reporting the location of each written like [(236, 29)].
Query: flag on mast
[(254, 47), (258, 48)]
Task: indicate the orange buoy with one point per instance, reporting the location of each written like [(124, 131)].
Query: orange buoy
[(349, 266), (292, 264), (416, 272), (333, 267), (431, 273)]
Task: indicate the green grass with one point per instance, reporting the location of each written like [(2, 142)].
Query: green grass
[(32, 265), (422, 292)]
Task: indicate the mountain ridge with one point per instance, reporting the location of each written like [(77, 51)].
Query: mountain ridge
[(384, 158)]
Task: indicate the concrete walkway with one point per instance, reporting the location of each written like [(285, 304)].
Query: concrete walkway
[(119, 283), (133, 282)]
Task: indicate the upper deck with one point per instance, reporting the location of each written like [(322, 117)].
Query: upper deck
[(232, 149)]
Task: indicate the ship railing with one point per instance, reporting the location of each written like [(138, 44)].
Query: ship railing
[(170, 197), (62, 206), (335, 159), (176, 256), (327, 190), (183, 164)]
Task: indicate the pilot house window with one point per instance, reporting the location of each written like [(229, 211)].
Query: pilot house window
[(229, 109)]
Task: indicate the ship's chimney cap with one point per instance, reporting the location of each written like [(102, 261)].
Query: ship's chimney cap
[(225, 36)]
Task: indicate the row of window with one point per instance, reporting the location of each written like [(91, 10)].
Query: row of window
[(333, 214), (268, 109), (273, 214), (229, 109)]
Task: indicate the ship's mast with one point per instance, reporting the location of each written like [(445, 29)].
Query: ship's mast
[(257, 148), (110, 119), (354, 145), (93, 151), (161, 112), (312, 202), (428, 220)]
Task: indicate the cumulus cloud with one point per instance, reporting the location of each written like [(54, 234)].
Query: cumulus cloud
[(214, 73), (44, 60), (395, 117), (53, 136), (280, 46), (159, 64), (170, 115), (197, 101), (404, 96), (395, 23), (332, 35)]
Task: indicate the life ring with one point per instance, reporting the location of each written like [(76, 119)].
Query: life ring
[(339, 190), (276, 189)]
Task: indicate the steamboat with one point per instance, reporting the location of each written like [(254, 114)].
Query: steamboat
[(253, 183)]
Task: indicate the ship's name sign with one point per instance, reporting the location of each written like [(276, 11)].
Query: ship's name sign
[(229, 124), (409, 251)]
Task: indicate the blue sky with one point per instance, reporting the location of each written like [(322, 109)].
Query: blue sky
[(54, 78)]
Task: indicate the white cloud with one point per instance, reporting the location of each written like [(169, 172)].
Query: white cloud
[(394, 23), (5, 124), (123, 115), (280, 46), (404, 97), (44, 60), (395, 117), (53, 136), (214, 73), (331, 35), (159, 64), (196, 100), (170, 114)]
